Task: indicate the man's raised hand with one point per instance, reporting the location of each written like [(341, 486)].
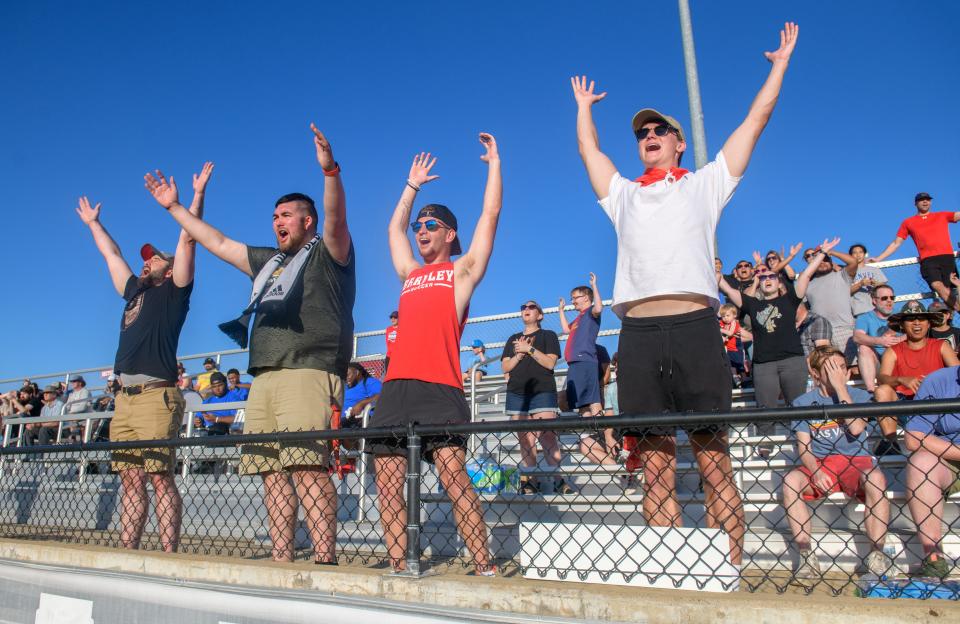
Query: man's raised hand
[(828, 245), (487, 140), (200, 179), (583, 92), (420, 169), (324, 151), (788, 39), (87, 214), (163, 190)]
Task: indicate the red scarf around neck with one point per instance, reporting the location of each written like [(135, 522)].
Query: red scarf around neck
[(653, 175)]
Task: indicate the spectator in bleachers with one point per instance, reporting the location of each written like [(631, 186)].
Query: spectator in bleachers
[(390, 336), (930, 232), (742, 278), (583, 390), (864, 282), (828, 295), (362, 389), (78, 400), (904, 365), (219, 422), (873, 334), (44, 433), (479, 355), (815, 331), (945, 329), (529, 357), (25, 402), (233, 380), (933, 470), (778, 363), (611, 406), (203, 379), (733, 338), (780, 264), (834, 458)]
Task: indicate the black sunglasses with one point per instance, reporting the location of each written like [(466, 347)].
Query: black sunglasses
[(661, 130), (431, 224), (886, 298), (745, 265), (529, 306)]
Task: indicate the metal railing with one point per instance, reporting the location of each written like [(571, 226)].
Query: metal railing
[(603, 531)]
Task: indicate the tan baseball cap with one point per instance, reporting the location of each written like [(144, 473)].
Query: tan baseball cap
[(651, 114)]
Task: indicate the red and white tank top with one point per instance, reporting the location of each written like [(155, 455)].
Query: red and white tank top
[(428, 349)]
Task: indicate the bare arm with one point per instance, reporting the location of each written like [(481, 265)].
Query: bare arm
[(400, 249), (184, 261), (784, 263), (120, 271), (892, 247), (887, 363), (800, 286), (472, 266), (562, 314), (739, 147), (230, 251), (848, 260), (933, 443), (336, 236), (733, 294), (600, 169), (597, 299), (948, 354)]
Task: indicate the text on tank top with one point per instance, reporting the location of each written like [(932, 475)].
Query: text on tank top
[(429, 347), (917, 363)]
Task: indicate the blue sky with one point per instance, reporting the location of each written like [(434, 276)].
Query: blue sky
[(97, 94)]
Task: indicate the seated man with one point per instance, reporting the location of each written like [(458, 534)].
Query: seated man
[(933, 472), (834, 458), (361, 390), (873, 334), (233, 380), (904, 365), (44, 433), (219, 422)]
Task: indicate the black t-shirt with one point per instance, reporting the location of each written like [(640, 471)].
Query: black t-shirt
[(951, 335), (150, 328), (528, 376), (774, 323), (33, 405), (314, 327)]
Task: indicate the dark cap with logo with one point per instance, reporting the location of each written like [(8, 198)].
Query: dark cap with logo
[(442, 213), (921, 197), (218, 377)]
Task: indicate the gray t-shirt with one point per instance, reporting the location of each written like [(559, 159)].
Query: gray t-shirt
[(315, 327), (860, 301), (829, 297)]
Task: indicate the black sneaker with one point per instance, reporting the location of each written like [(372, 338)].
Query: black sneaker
[(887, 447), (528, 487), (563, 488)]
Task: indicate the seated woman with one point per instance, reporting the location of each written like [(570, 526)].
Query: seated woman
[(361, 390), (834, 458), (933, 471)]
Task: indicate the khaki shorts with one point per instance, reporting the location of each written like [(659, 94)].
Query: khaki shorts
[(151, 415), (289, 399), (954, 486)]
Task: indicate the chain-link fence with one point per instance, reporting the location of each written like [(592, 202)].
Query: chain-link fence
[(697, 501)]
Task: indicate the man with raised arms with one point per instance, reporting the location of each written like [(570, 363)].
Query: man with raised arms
[(303, 294), (424, 384), (671, 355), (149, 406)]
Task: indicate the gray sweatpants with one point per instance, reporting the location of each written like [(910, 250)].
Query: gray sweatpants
[(788, 376)]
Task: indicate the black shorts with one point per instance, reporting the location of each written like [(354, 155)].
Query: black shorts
[(405, 401), (673, 364), (938, 269)]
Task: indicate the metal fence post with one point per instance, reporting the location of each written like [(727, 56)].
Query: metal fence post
[(362, 469), (413, 502)]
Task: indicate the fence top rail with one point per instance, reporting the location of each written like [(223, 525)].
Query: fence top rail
[(863, 410)]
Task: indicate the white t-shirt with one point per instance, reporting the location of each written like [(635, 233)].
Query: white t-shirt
[(665, 233)]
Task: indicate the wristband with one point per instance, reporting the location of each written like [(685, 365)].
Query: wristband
[(413, 186), (332, 172)]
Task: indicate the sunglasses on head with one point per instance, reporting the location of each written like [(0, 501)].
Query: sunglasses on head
[(529, 306), (661, 130), (432, 225)]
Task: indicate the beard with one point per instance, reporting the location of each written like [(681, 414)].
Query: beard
[(151, 279)]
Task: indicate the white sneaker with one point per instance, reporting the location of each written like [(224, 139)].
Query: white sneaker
[(880, 564), (809, 568)]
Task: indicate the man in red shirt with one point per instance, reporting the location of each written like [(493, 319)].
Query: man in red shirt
[(905, 364), (424, 384), (391, 337), (931, 235)]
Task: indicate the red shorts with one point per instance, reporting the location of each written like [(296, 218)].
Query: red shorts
[(846, 471)]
